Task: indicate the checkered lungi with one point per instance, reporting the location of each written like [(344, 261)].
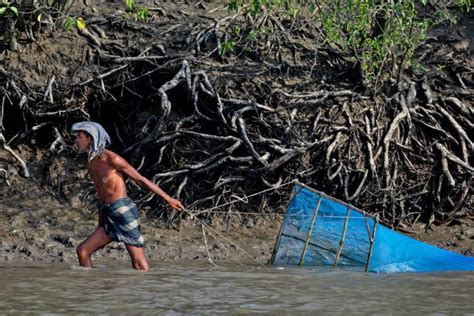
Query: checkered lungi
[(121, 221)]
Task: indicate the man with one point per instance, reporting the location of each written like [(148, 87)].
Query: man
[(118, 215)]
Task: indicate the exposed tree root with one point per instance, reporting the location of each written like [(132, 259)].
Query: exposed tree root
[(211, 130)]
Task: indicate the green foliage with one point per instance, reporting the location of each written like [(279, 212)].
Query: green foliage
[(131, 5), (7, 7), (79, 23), (465, 4), (10, 14), (237, 30), (227, 47), (249, 36), (136, 12), (381, 36), (70, 21), (235, 5), (253, 35), (143, 14), (20, 18), (255, 7)]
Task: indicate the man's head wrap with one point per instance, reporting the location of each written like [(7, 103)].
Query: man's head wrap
[(100, 138)]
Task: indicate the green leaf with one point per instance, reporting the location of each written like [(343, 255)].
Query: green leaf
[(68, 23), (237, 30), (131, 4), (15, 10), (2, 10), (232, 6)]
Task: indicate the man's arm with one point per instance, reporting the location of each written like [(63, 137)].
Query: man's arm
[(124, 167)]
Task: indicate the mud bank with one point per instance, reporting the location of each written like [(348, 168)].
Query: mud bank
[(39, 224), (44, 217), (35, 226)]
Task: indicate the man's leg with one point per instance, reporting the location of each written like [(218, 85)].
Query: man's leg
[(137, 254), (97, 240)]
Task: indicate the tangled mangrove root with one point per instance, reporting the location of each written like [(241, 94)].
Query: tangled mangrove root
[(212, 129)]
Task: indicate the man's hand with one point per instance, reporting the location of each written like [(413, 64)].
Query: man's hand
[(175, 204)]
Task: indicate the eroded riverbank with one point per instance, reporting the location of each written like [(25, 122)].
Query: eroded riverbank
[(44, 217), (41, 228)]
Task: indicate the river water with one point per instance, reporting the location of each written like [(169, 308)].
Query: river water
[(193, 288)]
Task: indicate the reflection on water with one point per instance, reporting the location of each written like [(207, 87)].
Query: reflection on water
[(196, 288)]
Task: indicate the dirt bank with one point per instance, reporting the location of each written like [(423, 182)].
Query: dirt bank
[(41, 228), (240, 136), (37, 226)]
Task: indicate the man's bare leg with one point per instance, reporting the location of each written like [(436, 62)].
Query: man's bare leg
[(95, 241), (137, 254)]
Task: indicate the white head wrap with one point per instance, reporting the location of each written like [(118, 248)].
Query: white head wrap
[(100, 138)]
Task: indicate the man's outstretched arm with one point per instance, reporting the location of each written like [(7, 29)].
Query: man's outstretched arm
[(124, 167)]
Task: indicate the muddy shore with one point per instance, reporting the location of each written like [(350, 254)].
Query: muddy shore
[(37, 226), (46, 216), (43, 229)]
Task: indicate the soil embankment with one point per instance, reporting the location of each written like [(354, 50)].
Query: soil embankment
[(211, 118), (37, 226)]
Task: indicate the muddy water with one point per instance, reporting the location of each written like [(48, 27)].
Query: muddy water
[(196, 288)]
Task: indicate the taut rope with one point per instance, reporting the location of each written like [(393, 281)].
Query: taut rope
[(207, 210), (210, 229)]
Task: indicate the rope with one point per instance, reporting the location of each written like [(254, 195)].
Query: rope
[(280, 214), (207, 248), (207, 210), (209, 228)]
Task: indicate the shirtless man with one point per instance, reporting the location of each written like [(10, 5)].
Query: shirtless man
[(118, 215)]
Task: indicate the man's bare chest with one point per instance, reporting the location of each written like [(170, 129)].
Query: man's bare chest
[(102, 173)]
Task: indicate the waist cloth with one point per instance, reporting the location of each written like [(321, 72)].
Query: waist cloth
[(121, 223)]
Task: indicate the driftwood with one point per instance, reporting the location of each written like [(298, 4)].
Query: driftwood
[(211, 128)]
